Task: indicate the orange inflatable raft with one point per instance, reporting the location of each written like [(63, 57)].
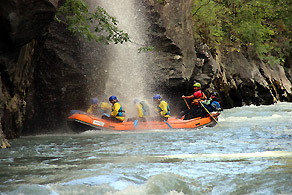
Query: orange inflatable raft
[(80, 122)]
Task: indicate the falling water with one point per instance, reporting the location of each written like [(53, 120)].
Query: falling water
[(126, 67)]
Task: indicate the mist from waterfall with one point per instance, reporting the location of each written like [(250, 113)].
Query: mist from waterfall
[(126, 67)]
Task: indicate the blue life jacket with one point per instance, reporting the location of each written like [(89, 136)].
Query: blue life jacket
[(213, 106)]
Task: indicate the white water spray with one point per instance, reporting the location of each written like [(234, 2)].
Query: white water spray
[(126, 67)]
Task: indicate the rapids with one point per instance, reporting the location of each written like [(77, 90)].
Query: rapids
[(249, 152)]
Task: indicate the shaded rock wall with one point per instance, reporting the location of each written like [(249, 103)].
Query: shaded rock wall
[(171, 34), (170, 31), (21, 22), (66, 76), (241, 78)]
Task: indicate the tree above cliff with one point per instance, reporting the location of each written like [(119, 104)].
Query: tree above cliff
[(264, 25), (97, 25)]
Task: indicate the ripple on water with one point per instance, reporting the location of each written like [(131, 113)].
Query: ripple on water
[(249, 152)]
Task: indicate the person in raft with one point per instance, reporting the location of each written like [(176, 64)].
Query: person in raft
[(195, 110), (212, 104), (93, 108), (105, 108), (162, 109), (117, 114), (142, 109)]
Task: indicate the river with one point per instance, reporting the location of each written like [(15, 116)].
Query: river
[(248, 152)]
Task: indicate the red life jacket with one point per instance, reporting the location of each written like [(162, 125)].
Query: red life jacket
[(198, 94)]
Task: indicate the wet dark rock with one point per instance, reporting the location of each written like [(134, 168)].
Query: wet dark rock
[(21, 23), (64, 78)]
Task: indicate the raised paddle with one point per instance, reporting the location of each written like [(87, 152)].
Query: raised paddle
[(209, 112)]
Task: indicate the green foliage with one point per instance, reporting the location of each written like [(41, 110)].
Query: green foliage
[(265, 25), (145, 49), (162, 2), (98, 26)]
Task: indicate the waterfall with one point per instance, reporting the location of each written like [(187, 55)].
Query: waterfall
[(126, 67)]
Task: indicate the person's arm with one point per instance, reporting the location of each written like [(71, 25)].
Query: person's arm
[(204, 97), (206, 102), (116, 108), (89, 109), (188, 97)]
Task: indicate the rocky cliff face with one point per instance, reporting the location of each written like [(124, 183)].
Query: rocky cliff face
[(240, 78), (250, 81), (46, 72), (65, 77), (22, 22), (170, 31)]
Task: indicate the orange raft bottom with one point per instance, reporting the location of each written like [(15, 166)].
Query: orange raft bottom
[(83, 122)]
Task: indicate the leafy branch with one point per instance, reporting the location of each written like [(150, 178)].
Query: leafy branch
[(200, 8), (98, 26)]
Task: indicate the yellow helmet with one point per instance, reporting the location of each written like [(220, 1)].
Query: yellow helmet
[(197, 85)]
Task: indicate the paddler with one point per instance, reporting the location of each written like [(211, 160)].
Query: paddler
[(117, 114), (93, 108), (212, 104), (162, 109), (197, 97)]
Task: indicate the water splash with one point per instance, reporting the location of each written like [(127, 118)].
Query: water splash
[(126, 67)]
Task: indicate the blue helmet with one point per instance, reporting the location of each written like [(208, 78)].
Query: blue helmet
[(156, 97), (112, 98), (94, 101)]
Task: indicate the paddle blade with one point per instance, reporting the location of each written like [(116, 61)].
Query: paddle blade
[(168, 124), (136, 124), (106, 114)]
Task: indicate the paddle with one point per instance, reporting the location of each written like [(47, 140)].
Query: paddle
[(106, 114), (168, 124), (136, 124), (187, 103), (209, 113)]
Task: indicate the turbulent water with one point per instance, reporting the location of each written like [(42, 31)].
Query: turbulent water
[(249, 152)]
